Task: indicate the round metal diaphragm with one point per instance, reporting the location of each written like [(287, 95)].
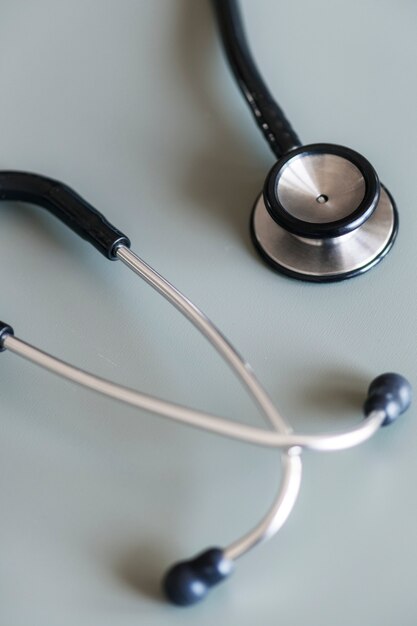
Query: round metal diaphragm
[(320, 187), (329, 259), (321, 190)]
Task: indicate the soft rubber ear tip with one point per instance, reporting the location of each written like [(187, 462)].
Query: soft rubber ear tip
[(391, 393), (188, 582)]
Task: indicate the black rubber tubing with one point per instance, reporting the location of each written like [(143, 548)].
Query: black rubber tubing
[(268, 115), (66, 205)]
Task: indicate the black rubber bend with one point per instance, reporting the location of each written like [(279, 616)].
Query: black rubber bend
[(269, 116), (66, 205)]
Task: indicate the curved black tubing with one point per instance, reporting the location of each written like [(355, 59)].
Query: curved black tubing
[(270, 118), (66, 205)]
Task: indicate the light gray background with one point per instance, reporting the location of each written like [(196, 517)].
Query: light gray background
[(131, 103)]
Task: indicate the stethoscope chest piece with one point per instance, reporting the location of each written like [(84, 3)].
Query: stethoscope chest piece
[(323, 215)]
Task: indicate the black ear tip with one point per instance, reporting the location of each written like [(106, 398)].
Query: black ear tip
[(391, 393), (188, 582), (182, 586)]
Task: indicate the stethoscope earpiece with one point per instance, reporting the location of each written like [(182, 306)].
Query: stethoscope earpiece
[(323, 215), (188, 582), (391, 393)]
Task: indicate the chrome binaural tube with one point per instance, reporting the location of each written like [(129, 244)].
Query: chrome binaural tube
[(281, 437)]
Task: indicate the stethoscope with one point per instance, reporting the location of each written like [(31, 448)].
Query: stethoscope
[(323, 215)]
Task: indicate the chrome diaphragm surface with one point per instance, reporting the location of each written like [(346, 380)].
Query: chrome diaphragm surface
[(320, 187)]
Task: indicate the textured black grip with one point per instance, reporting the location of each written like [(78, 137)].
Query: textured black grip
[(66, 205), (269, 116), (5, 330)]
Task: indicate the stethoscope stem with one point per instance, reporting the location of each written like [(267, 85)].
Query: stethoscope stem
[(279, 511), (191, 417), (208, 330)]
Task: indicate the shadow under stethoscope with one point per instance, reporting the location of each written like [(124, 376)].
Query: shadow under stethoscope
[(227, 171)]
